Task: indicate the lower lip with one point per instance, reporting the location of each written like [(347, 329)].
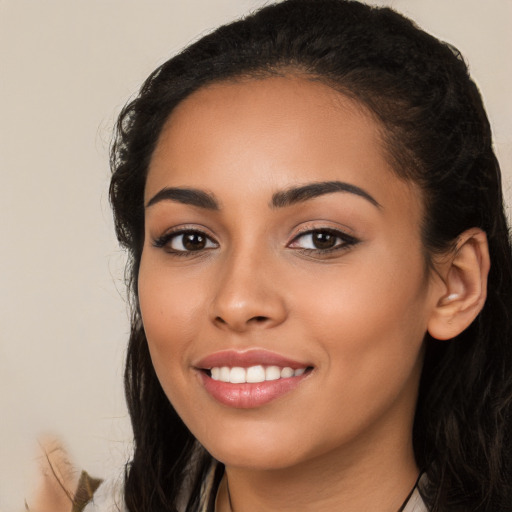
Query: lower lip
[(248, 395)]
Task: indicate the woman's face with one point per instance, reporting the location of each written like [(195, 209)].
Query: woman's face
[(283, 285)]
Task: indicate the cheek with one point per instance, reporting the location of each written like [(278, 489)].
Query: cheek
[(364, 296), (170, 311), (370, 320), (370, 330), (170, 308)]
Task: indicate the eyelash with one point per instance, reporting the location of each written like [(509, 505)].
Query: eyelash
[(164, 242), (347, 241)]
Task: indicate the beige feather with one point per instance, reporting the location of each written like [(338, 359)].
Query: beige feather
[(58, 479)]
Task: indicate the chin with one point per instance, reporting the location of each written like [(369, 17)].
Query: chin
[(255, 458), (257, 451)]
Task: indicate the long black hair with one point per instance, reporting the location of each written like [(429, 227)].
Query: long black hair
[(437, 135)]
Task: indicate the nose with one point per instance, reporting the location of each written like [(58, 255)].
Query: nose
[(248, 295)]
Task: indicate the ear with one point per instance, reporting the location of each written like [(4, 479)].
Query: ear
[(464, 274)]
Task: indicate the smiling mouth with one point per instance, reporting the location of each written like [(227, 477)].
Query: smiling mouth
[(252, 378), (253, 374)]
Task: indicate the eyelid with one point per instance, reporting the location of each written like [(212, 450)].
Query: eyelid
[(322, 225)]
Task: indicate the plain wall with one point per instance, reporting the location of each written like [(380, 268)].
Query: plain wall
[(66, 69)]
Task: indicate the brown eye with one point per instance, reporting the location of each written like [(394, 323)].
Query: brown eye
[(193, 241), (323, 240), (185, 242)]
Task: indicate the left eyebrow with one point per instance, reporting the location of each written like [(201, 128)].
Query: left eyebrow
[(192, 196), (303, 193)]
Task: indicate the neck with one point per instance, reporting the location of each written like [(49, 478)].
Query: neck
[(365, 476)]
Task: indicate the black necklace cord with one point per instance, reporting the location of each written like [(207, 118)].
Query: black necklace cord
[(220, 473), (404, 504)]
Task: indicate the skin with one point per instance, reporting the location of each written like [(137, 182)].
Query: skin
[(357, 315)]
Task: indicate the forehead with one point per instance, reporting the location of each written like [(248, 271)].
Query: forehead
[(280, 131)]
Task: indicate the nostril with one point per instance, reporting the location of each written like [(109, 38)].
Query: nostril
[(240, 322)]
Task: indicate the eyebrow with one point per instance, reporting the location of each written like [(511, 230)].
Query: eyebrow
[(303, 193), (281, 199), (192, 196)]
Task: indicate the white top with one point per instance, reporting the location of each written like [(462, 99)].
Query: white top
[(415, 503)]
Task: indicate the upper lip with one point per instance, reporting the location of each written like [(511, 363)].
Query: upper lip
[(248, 358)]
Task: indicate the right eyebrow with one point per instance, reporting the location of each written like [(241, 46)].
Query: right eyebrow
[(309, 191), (192, 196)]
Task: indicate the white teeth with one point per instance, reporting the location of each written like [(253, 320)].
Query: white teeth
[(272, 373), (237, 375), (253, 374), (286, 372), (224, 374)]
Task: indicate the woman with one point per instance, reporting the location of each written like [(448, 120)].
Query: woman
[(320, 271)]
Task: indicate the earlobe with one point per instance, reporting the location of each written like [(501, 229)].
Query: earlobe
[(465, 278)]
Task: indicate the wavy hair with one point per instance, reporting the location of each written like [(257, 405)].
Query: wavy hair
[(437, 135)]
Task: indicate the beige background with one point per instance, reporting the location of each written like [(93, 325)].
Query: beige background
[(67, 67)]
